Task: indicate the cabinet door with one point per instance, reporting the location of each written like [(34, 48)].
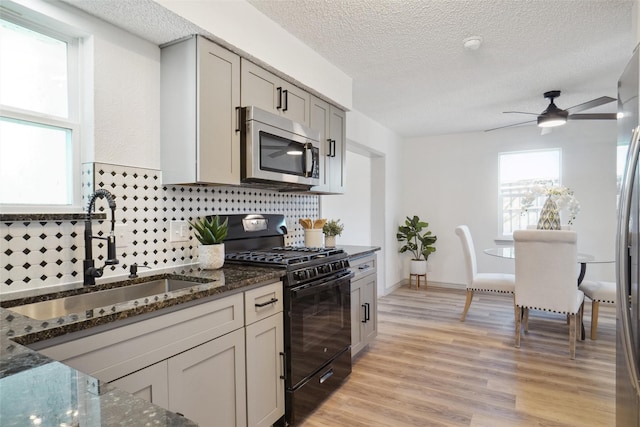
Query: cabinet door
[(265, 90), (369, 292), (149, 384), (200, 139), (218, 94), (337, 134), (259, 88), (330, 122), (295, 104), (319, 120), (265, 366), (207, 383), (357, 317)]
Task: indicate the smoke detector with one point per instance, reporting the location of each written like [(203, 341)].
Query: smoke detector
[(472, 43)]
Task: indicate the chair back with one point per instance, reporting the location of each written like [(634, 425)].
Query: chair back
[(469, 252), (546, 262)]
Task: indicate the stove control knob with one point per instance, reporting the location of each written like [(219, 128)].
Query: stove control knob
[(300, 275), (312, 272)]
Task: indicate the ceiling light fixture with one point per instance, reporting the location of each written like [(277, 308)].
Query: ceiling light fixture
[(552, 116), (472, 43)]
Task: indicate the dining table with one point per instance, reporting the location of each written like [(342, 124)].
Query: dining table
[(583, 258)]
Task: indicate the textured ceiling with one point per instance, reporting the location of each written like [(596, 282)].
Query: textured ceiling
[(412, 73), (409, 68)]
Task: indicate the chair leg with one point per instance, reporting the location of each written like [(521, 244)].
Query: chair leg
[(518, 325), (595, 307), (525, 319), (572, 336), (467, 304)]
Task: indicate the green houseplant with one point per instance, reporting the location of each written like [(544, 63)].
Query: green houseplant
[(331, 229), (210, 232), (418, 241)]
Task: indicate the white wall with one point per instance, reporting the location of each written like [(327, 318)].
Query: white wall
[(384, 145), (453, 179), (353, 208)]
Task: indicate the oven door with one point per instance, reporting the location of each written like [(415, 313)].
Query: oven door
[(318, 325)]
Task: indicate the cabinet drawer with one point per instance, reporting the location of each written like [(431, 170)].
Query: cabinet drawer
[(112, 354), (262, 302), (363, 266)]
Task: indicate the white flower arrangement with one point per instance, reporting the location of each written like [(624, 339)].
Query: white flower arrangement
[(562, 196)]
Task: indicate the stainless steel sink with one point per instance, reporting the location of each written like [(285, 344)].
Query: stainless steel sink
[(51, 309)]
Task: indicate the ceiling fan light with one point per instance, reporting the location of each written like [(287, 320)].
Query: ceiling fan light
[(550, 122), (552, 117)]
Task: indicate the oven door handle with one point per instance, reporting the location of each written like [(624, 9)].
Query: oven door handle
[(315, 287)]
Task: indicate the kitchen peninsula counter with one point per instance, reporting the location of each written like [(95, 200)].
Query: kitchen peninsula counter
[(34, 387)]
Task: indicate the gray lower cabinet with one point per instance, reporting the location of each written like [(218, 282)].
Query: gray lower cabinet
[(199, 361), (150, 384), (364, 307), (330, 121), (207, 383), (200, 134)]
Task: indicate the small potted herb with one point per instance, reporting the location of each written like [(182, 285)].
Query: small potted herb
[(331, 229), (210, 232)]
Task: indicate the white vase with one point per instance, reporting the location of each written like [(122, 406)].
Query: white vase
[(418, 267), (211, 257), (313, 238), (329, 241)]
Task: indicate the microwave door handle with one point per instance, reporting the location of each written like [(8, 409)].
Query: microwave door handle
[(308, 160)]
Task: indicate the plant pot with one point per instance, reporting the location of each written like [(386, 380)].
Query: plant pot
[(418, 267), (329, 241), (211, 257)]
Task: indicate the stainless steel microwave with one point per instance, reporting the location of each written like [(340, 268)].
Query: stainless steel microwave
[(276, 150)]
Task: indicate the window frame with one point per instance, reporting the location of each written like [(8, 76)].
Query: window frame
[(501, 211), (71, 123)]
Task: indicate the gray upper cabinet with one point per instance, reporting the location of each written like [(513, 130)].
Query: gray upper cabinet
[(330, 121), (200, 89), (262, 89)]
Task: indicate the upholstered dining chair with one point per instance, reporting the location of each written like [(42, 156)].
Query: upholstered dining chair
[(546, 278), (480, 282), (598, 292)]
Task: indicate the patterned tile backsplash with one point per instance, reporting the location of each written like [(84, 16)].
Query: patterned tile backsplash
[(47, 253)]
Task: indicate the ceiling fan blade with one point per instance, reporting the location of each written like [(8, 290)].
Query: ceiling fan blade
[(590, 104), (600, 116), (519, 112), (509, 126)]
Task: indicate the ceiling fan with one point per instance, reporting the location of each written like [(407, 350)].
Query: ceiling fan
[(554, 116)]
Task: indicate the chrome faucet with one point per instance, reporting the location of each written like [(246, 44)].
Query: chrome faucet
[(90, 272)]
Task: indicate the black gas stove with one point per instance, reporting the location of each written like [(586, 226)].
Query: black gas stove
[(317, 306)]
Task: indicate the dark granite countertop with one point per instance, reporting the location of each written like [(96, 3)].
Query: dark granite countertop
[(358, 251), (32, 385)]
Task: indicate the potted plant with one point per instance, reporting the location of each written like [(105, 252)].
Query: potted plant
[(331, 229), (211, 233), (416, 241)]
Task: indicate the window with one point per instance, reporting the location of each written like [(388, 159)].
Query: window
[(519, 171), (39, 148)]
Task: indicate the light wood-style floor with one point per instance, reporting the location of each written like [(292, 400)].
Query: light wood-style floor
[(426, 368)]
